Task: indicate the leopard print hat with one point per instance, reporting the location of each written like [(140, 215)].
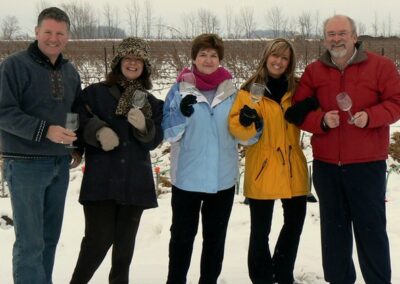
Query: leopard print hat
[(135, 46)]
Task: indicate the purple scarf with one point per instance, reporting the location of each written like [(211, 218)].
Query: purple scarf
[(207, 82)]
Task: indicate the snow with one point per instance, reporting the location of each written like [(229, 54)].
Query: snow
[(150, 261)]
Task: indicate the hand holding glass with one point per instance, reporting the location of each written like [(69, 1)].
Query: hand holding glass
[(138, 99), (188, 82), (256, 92), (71, 123), (344, 103)]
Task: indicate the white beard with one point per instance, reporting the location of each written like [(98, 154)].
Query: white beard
[(338, 54)]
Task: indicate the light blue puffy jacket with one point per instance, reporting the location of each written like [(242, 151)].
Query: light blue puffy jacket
[(204, 155)]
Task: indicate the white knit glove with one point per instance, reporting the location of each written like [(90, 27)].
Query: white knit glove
[(107, 138), (137, 119)]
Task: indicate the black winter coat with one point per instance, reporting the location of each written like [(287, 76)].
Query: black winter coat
[(123, 174)]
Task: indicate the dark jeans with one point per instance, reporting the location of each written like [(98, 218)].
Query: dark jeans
[(352, 198), (38, 189), (264, 269), (215, 210), (107, 223)]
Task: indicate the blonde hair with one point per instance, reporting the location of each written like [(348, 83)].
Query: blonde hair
[(277, 47)]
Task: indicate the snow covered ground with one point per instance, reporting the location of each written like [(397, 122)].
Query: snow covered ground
[(151, 255), (150, 262)]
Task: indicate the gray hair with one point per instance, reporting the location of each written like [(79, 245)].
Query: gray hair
[(54, 13), (351, 21)]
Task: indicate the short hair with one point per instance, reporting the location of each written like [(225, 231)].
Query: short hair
[(205, 41), (54, 13), (351, 21)]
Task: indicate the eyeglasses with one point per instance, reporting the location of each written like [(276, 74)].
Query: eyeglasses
[(341, 34)]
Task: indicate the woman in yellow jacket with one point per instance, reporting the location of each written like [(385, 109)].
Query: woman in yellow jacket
[(275, 165)]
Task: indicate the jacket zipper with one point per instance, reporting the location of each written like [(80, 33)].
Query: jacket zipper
[(340, 132), (262, 167), (290, 162)]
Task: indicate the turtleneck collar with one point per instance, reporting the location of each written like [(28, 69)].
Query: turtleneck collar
[(277, 87), (41, 58)]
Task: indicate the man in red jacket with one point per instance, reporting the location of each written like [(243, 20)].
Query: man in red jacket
[(349, 154)]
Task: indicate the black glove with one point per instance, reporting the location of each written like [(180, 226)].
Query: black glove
[(297, 113), (186, 105), (248, 116)]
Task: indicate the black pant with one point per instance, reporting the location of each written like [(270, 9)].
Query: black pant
[(352, 198), (215, 210), (107, 223), (264, 269)]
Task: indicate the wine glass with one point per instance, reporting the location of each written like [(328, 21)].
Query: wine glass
[(256, 92), (344, 103), (139, 99), (71, 123), (188, 83)]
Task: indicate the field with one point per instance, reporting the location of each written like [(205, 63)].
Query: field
[(92, 57)]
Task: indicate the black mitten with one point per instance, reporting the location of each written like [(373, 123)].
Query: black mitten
[(248, 115), (186, 105), (298, 112)]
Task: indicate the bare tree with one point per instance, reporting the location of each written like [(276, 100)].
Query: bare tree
[(133, 11), (383, 29), (228, 21), (305, 24), (248, 22), (238, 29), (362, 29), (208, 21), (375, 27), (111, 23), (82, 18), (190, 24), (389, 25), (291, 29), (41, 5), (148, 19), (160, 28), (317, 28), (9, 27), (276, 21)]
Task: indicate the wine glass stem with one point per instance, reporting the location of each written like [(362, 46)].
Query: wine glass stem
[(351, 116)]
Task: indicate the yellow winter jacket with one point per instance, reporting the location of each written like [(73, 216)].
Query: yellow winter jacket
[(275, 166)]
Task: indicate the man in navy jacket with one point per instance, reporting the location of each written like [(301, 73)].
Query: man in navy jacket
[(37, 88)]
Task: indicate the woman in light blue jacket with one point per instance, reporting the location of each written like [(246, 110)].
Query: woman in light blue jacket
[(204, 159)]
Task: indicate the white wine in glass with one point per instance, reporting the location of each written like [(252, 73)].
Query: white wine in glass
[(344, 103), (139, 99), (188, 83), (71, 123), (257, 91)]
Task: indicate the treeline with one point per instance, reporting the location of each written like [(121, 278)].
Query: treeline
[(168, 57), (141, 18)]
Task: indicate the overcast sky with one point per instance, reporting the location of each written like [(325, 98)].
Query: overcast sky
[(171, 11)]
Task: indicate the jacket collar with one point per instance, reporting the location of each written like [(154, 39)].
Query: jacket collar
[(42, 59), (359, 57)]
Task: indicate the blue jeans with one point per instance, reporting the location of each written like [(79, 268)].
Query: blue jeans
[(38, 189)]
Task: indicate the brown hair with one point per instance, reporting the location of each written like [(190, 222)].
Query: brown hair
[(54, 13), (277, 47), (205, 41)]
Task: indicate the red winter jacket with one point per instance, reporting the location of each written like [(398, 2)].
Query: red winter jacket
[(373, 83)]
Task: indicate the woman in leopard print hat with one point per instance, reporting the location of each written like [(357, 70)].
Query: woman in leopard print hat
[(118, 181), (138, 48)]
